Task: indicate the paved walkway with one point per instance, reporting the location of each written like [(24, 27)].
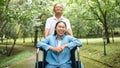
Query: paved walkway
[(28, 63)]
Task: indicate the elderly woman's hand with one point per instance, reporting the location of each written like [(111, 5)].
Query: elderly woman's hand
[(63, 47), (59, 48)]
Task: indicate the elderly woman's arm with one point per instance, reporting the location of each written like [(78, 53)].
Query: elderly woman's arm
[(73, 42), (44, 45)]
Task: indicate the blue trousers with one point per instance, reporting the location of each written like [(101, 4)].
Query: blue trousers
[(59, 66)]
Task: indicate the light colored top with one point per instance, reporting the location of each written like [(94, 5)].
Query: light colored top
[(59, 42), (52, 57), (51, 22)]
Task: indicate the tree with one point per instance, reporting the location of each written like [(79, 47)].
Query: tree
[(97, 10), (3, 19)]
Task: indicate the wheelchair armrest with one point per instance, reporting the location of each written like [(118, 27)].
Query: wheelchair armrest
[(75, 48), (44, 51), (37, 50), (41, 49)]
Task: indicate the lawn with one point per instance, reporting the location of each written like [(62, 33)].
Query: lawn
[(95, 50), (20, 52)]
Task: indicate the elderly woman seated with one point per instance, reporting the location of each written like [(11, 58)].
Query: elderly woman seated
[(58, 47)]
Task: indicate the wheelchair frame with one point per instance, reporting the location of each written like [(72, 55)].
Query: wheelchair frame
[(75, 63)]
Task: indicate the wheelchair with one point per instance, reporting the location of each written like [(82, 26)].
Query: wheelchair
[(76, 63)]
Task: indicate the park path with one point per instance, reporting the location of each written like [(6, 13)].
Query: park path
[(28, 62)]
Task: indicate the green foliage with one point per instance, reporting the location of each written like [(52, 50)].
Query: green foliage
[(85, 16), (13, 33), (13, 59), (91, 15)]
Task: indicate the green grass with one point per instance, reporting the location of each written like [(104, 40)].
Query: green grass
[(5, 61), (21, 51), (95, 50)]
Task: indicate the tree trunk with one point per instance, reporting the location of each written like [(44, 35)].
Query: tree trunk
[(105, 26), (23, 39), (106, 31), (35, 38), (112, 35), (12, 47)]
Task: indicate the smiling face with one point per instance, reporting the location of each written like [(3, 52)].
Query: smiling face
[(58, 9), (60, 28)]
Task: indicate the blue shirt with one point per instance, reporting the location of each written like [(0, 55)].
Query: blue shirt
[(64, 57)]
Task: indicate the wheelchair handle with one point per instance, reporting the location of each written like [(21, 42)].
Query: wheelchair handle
[(37, 53), (78, 54)]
